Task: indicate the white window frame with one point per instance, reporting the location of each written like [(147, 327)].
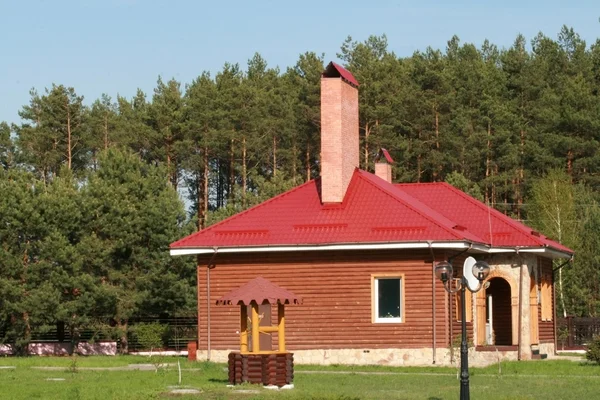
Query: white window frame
[(375, 299)]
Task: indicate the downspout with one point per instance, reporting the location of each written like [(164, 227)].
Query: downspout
[(460, 253), (520, 304), (433, 316), (570, 260), (209, 266)]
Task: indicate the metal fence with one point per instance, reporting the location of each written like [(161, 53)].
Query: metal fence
[(179, 331), (576, 332)]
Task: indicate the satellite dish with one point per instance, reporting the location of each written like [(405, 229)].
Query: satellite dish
[(470, 278)]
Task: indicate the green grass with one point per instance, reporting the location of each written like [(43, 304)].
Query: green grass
[(96, 361), (524, 380)]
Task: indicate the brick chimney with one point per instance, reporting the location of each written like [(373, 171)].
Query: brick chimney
[(383, 165), (339, 132)]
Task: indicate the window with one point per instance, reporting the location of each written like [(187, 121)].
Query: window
[(388, 293)]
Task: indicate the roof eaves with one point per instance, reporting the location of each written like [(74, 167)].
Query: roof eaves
[(516, 225)]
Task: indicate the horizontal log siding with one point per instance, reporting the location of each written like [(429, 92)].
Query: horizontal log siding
[(546, 327), (336, 289)]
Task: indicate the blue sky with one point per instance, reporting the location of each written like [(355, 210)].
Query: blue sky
[(117, 46)]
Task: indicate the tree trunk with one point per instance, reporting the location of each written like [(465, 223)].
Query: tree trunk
[(419, 172), (231, 171), (25, 314), (488, 160), (562, 297), (69, 149), (199, 198), (274, 155), (244, 172), (123, 327), (205, 193), (168, 148), (559, 234), (366, 146), (294, 160), (570, 163), (437, 127), (106, 131), (521, 174), (307, 166)]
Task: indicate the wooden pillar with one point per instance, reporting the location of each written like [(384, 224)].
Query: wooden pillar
[(533, 312), (255, 329), (243, 328), (481, 318), (281, 326)]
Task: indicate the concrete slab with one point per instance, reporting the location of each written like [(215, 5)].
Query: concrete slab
[(185, 391)]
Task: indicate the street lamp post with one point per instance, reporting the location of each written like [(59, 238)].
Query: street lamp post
[(474, 273)]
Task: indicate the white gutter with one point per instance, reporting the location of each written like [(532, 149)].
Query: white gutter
[(371, 246)]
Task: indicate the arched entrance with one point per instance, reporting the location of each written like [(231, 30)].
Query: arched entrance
[(498, 312)]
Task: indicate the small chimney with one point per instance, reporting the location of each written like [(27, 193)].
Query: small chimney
[(339, 132), (383, 165)]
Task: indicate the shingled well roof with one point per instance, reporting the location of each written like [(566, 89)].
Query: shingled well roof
[(261, 291)]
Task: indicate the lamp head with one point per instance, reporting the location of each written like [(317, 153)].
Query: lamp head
[(481, 270), (443, 270)]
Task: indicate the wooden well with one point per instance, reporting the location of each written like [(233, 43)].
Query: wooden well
[(253, 364)]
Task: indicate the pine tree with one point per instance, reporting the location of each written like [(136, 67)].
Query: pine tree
[(132, 215)]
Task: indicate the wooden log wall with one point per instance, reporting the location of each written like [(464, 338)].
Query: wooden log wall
[(336, 289), (266, 369)]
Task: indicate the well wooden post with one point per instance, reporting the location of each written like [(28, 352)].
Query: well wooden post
[(255, 328), (281, 327), (243, 328)]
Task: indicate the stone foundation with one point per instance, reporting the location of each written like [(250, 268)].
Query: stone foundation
[(49, 349), (6, 349), (97, 349), (547, 348), (391, 357)]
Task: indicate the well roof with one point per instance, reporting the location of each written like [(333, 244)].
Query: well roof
[(261, 291)]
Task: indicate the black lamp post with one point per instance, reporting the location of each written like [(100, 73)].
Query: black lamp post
[(474, 272)]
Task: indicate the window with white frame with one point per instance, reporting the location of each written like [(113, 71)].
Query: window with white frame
[(388, 294)]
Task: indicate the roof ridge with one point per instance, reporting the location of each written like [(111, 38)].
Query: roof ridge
[(427, 217), (515, 224), (417, 183), (241, 213)]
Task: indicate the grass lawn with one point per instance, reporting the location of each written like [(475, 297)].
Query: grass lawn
[(524, 380)]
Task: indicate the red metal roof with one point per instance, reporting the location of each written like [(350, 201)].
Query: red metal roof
[(334, 69), (373, 211), (261, 291), (486, 222)]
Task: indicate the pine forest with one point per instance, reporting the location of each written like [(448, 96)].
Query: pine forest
[(93, 192)]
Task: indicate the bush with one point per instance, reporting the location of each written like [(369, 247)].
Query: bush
[(593, 351), (150, 336)]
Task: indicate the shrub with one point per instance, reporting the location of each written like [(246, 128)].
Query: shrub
[(150, 336), (593, 351)]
